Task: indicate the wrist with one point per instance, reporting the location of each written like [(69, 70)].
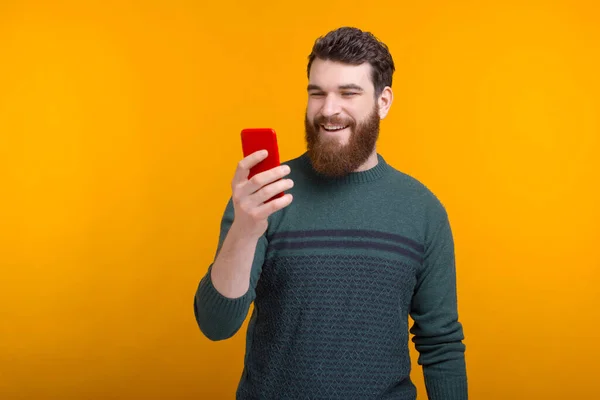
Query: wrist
[(241, 235)]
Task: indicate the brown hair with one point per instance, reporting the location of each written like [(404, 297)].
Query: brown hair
[(353, 46)]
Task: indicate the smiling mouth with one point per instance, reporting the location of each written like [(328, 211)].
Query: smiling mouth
[(333, 128)]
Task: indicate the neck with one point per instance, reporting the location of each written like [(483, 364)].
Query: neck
[(370, 163), (378, 169)]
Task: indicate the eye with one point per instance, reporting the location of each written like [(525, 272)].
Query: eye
[(349, 94), (316, 94)]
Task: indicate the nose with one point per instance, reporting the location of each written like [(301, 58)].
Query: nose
[(331, 106)]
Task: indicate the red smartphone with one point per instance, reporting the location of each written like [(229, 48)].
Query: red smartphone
[(255, 139)]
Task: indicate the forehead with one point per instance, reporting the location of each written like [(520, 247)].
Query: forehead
[(329, 74)]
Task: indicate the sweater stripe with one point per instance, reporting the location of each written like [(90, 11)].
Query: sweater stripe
[(346, 245), (359, 233)]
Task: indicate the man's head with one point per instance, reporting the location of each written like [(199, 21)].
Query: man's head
[(349, 92)]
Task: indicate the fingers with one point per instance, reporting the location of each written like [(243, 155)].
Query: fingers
[(249, 195), (264, 178), (243, 168), (263, 211), (243, 189), (271, 190)]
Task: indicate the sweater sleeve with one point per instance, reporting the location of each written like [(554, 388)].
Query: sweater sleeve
[(438, 335), (220, 317)]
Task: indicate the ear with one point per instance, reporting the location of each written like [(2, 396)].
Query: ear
[(385, 101)]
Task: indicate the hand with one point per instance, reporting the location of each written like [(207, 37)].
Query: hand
[(249, 195)]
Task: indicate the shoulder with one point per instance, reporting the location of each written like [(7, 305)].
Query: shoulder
[(301, 170), (296, 162), (424, 205), (418, 194)]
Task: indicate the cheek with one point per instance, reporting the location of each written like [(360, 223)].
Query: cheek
[(311, 111), (363, 112)]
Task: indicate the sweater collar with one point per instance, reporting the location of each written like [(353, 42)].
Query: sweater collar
[(369, 175)]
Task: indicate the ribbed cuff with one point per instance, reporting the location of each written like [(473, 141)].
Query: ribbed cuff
[(446, 388), (218, 316)]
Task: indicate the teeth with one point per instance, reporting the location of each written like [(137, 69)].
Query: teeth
[(333, 127)]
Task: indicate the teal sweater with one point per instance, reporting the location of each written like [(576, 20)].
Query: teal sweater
[(334, 279)]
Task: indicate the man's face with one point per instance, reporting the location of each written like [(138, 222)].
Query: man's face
[(342, 117)]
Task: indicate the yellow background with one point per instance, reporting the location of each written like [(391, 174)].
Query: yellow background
[(119, 134)]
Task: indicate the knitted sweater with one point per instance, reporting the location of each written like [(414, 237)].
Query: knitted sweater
[(334, 279)]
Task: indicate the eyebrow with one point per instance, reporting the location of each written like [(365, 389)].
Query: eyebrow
[(348, 86)]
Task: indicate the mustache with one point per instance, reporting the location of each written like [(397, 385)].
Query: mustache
[(321, 120)]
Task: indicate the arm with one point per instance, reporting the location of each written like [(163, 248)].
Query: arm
[(226, 291), (224, 295), (438, 334)]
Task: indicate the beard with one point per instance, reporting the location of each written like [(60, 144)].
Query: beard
[(331, 158)]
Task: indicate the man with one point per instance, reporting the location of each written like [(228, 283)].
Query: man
[(335, 273)]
